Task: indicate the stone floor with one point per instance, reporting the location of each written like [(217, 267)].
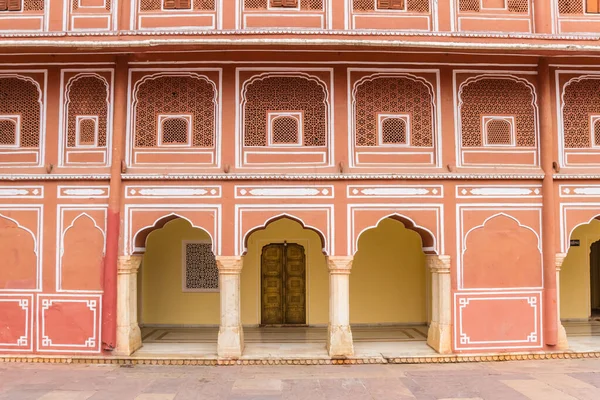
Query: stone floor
[(518, 380), (310, 342), (286, 342)]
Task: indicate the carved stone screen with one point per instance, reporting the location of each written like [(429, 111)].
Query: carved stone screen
[(87, 96), (21, 97), (580, 100), (201, 273)]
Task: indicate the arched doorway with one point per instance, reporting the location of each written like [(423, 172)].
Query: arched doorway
[(284, 290), (390, 296), (178, 291), (580, 287)]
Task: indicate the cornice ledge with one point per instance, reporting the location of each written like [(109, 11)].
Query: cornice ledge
[(576, 176), (55, 177), (320, 177), (300, 32)]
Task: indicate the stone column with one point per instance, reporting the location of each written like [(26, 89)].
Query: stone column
[(339, 334), (129, 336), (562, 342), (231, 334), (439, 336)]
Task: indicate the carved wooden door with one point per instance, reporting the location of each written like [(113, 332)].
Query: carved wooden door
[(595, 277), (283, 284)]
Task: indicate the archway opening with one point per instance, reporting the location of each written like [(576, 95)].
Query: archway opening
[(390, 296), (178, 290), (285, 290), (580, 287)]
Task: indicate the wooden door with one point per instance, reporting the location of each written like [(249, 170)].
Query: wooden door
[(595, 277), (283, 283)]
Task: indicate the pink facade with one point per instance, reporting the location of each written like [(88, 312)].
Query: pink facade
[(476, 123)]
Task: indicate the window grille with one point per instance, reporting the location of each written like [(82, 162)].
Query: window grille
[(581, 100), (416, 6), (87, 97), (393, 131), (8, 132), (285, 130), (498, 132), (200, 268), (21, 97), (87, 132), (513, 6), (75, 4), (11, 5), (597, 133), (175, 131)]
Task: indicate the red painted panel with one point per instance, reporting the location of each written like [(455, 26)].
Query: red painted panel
[(82, 260), (498, 320), (16, 323), (19, 261), (69, 323)]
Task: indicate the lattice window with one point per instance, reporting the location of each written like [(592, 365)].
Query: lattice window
[(571, 6), (514, 6), (87, 95), (87, 131), (198, 5), (305, 5), (283, 3), (175, 131), (21, 97), (416, 6), (8, 132), (498, 132), (285, 93), (285, 130), (11, 5), (83, 4), (580, 100), (164, 95), (596, 133), (592, 6), (394, 95), (497, 96), (200, 268), (393, 131)]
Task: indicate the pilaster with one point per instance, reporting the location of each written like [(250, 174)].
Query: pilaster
[(231, 335), (129, 336), (339, 334), (562, 342), (439, 336)]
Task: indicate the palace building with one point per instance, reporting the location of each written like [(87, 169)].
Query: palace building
[(299, 179)]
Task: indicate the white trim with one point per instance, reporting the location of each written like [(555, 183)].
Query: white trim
[(16, 120)]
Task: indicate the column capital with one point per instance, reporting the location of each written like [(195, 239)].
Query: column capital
[(439, 264), (559, 260), (231, 265), (340, 264), (129, 264)]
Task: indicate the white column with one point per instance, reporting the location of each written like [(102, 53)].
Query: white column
[(231, 334), (439, 336), (129, 336), (562, 341), (339, 334)]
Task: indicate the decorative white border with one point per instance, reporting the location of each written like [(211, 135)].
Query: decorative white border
[(69, 16), (176, 210), (490, 118), (26, 302), (495, 210), (498, 191), (154, 73), (91, 345), (21, 192), (267, 72), (560, 104), (37, 239), (533, 340), (392, 210), (395, 191), (184, 288), (40, 153), (162, 118), (65, 86), (83, 192), (16, 120), (482, 75), (284, 191), (436, 123), (490, 14), (61, 232), (172, 192), (44, 18), (283, 210)]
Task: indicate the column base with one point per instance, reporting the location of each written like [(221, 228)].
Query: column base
[(129, 339), (439, 338), (562, 343), (339, 343), (231, 342)]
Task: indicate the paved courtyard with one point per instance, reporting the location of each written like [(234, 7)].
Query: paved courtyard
[(544, 380)]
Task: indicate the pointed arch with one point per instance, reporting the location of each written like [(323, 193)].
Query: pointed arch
[(140, 238), (428, 240), (597, 217), (277, 217), (19, 255)]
